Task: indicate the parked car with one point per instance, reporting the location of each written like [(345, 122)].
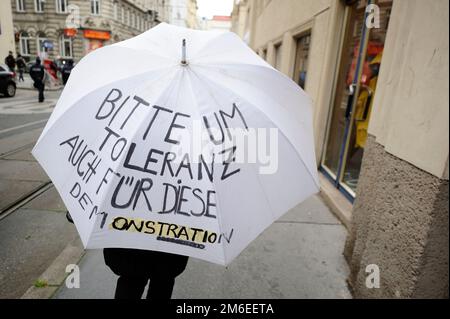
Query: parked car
[(7, 81)]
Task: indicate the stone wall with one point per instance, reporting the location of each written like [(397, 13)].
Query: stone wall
[(400, 223)]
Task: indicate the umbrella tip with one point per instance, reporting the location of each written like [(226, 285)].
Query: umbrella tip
[(183, 53)]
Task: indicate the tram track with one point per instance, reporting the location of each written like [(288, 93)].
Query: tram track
[(16, 150), (11, 208), (26, 198)]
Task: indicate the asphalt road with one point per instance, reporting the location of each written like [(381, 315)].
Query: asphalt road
[(33, 229)]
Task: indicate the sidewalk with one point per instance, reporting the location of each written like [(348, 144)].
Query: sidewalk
[(28, 84), (33, 226), (299, 256)]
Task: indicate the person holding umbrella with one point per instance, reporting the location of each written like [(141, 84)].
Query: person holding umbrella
[(118, 148), (136, 267)]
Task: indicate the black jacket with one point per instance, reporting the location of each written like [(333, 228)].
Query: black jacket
[(10, 62), (21, 63), (66, 70), (37, 72), (144, 263)]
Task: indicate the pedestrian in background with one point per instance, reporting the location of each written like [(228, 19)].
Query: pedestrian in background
[(37, 73), (10, 61), (21, 65), (66, 70)]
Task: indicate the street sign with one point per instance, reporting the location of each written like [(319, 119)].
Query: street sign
[(47, 44)]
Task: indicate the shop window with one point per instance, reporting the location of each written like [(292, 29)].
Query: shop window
[(354, 94)]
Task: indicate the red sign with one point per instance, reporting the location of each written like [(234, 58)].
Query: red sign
[(95, 34), (70, 32)]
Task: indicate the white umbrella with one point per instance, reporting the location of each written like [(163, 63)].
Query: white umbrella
[(121, 145)]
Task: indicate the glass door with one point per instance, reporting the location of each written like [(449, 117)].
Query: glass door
[(360, 61)]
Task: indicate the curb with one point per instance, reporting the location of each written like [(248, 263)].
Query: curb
[(338, 205), (33, 89), (55, 274)]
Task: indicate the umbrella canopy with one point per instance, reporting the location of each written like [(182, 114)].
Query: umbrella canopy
[(190, 149)]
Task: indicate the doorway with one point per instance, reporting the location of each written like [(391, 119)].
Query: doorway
[(360, 61)]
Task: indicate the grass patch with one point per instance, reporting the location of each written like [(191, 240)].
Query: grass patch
[(40, 283)]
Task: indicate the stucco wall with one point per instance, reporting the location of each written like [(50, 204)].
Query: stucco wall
[(282, 21), (7, 33), (411, 109), (281, 15)]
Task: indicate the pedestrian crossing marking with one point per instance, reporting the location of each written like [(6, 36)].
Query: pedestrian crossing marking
[(27, 106)]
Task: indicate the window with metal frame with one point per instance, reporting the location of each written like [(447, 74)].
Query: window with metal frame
[(24, 43), (95, 7), (66, 47), (61, 6), (20, 6), (40, 40), (115, 13), (39, 6)]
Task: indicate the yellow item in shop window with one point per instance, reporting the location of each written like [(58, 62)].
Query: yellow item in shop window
[(362, 116), (362, 121)]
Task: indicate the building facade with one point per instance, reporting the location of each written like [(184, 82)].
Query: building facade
[(183, 13), (241, 20), (377, 71), (217, 23), (69, 29), (161, 8), (192, 20), (6, 30)]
